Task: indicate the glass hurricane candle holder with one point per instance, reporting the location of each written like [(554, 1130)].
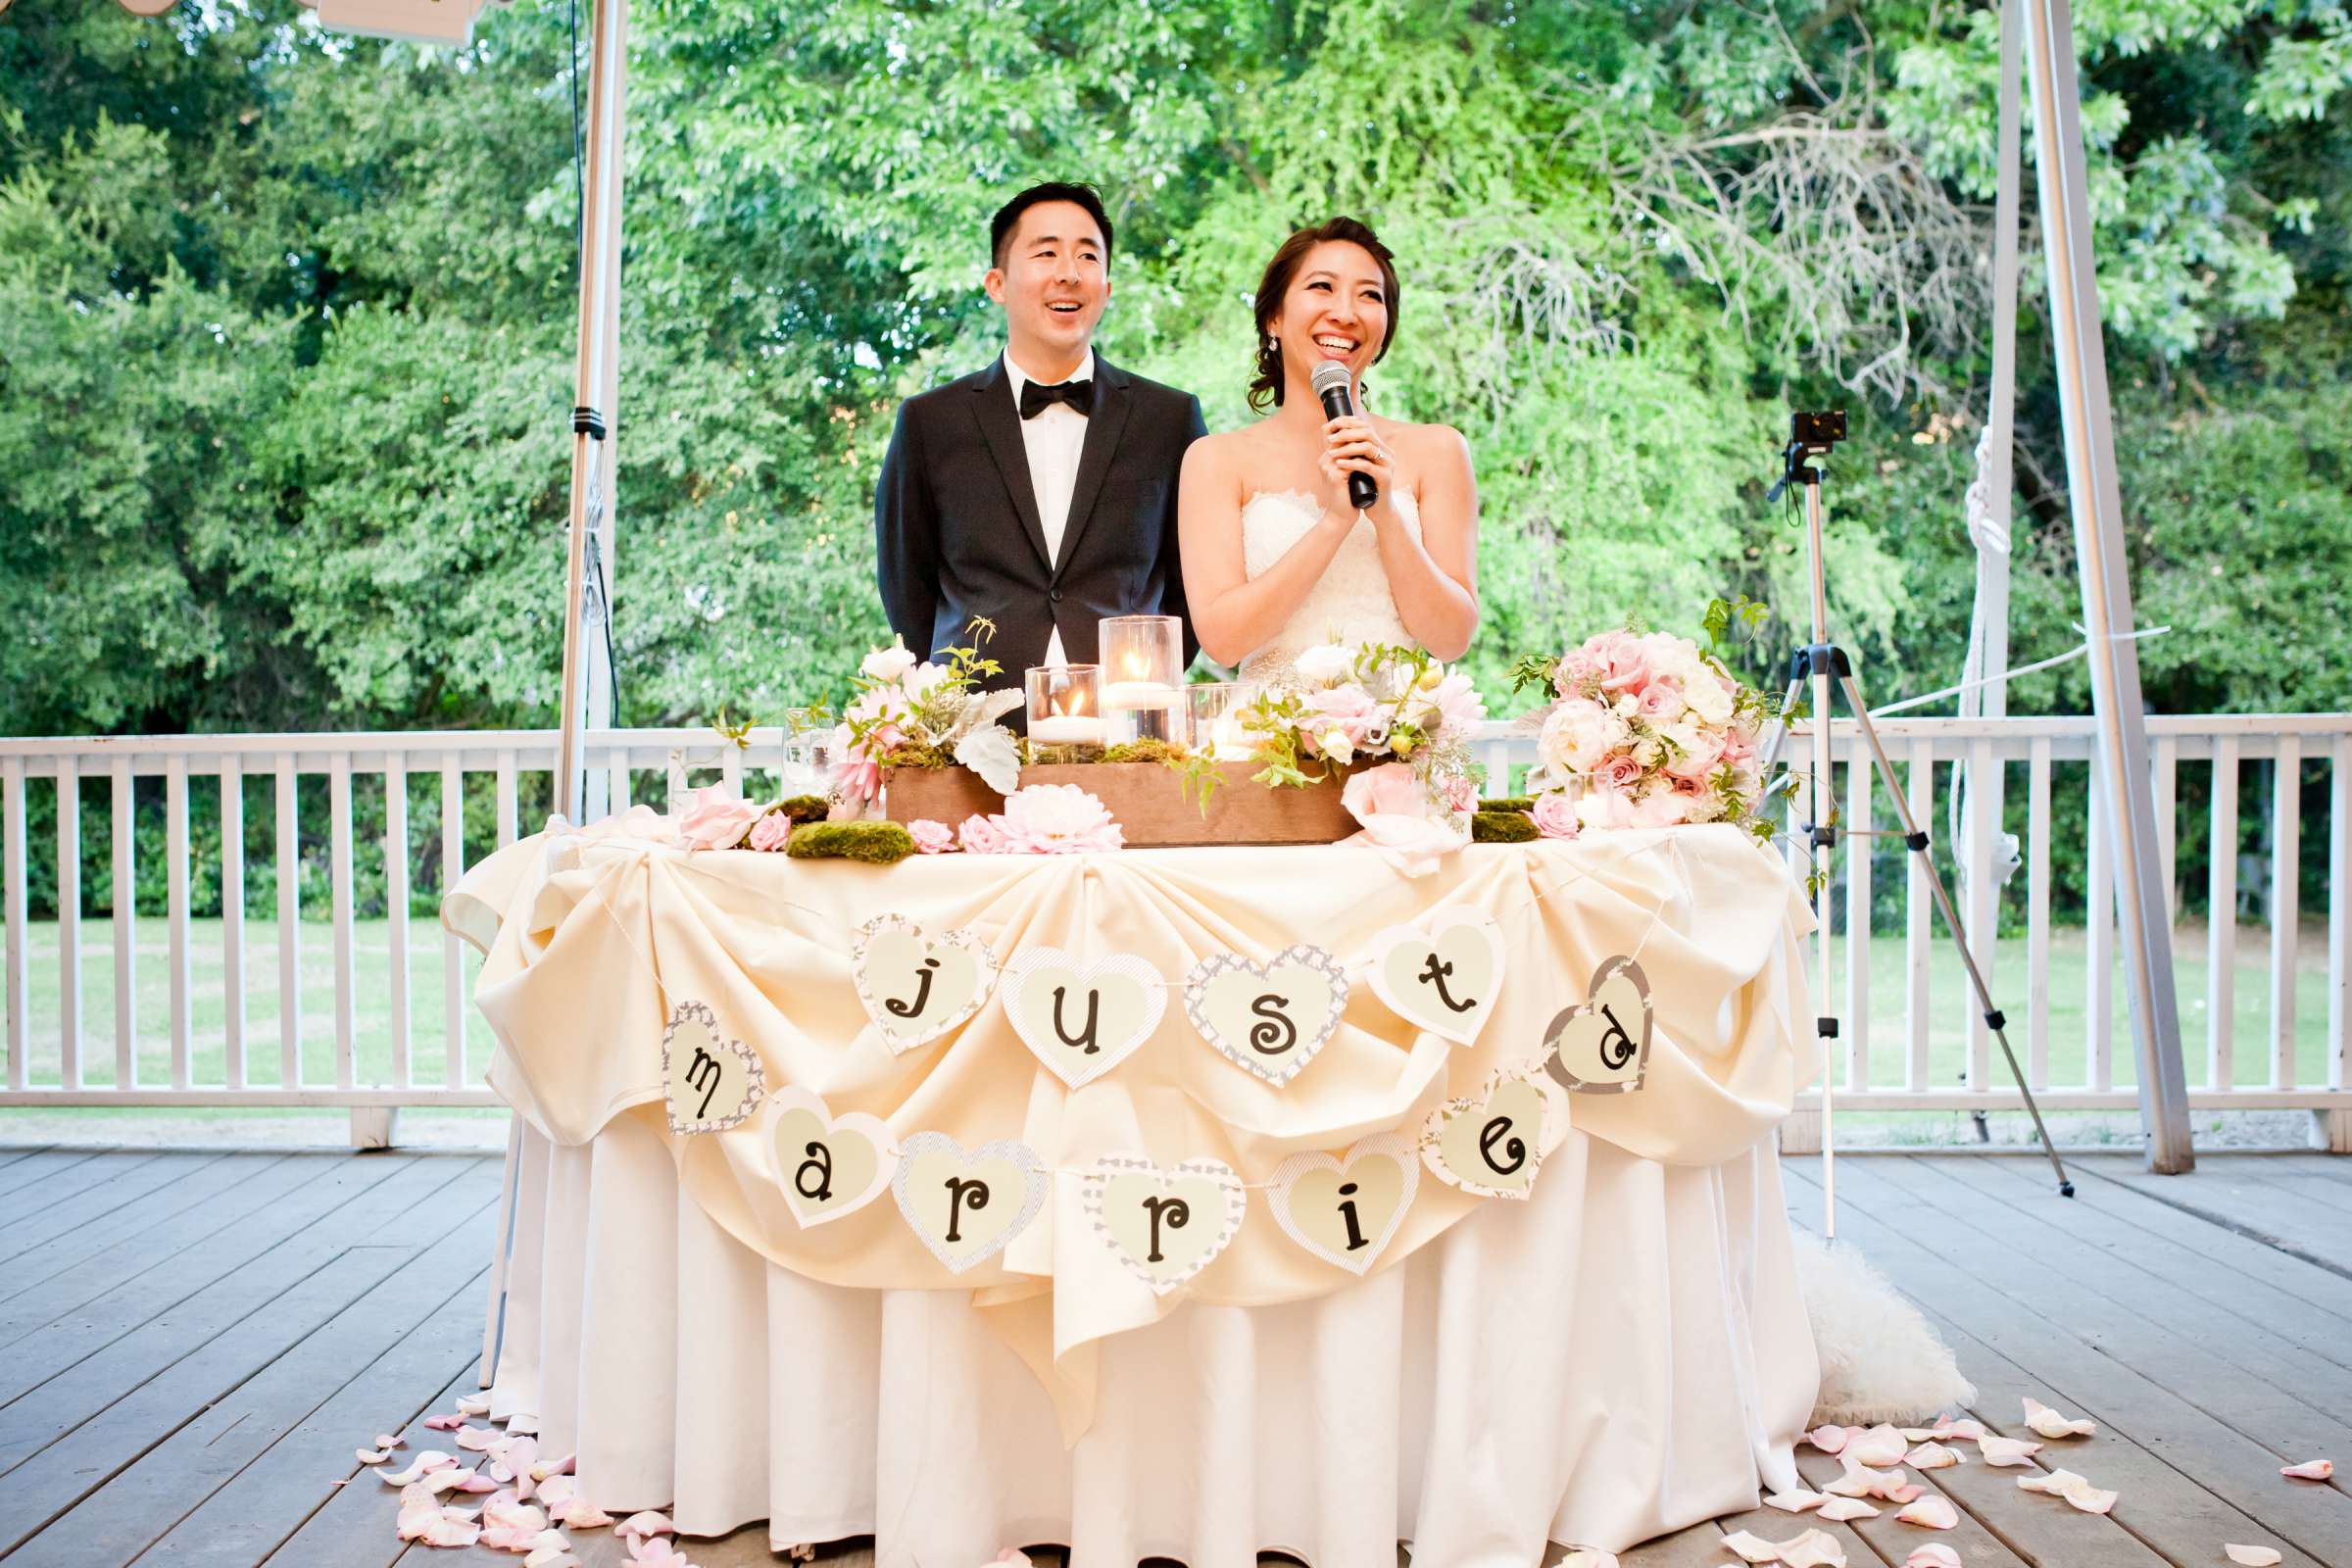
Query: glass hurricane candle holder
[(1217, 719), (1142, 674), (1065, 705)]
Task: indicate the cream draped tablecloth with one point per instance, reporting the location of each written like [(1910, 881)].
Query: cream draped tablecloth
[(1624, 1352)]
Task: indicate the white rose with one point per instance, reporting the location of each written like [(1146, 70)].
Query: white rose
[(1708, 697), (1334, 744), (1325, 663), (887, 664)]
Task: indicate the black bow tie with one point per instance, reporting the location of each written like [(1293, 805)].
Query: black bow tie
[(1036, 400)]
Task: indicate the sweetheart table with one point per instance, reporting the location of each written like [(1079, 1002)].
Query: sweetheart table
[(1161, 1202)]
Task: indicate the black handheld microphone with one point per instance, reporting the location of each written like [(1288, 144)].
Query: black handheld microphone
[(1332, 387)]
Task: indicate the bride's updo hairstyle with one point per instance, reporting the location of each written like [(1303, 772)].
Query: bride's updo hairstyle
[(1272, 289)]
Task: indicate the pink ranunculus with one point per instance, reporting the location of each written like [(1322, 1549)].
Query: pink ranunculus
[(717, 818), (1554, 816), (771, 832), (980, 835), (1057, 819), (930, 837)]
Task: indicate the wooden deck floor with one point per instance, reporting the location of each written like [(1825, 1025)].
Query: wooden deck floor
[(192, 1343)]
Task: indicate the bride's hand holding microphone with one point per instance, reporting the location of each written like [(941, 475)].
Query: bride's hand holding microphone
[(1356, 464)]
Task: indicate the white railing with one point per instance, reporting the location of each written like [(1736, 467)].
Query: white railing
[(1911, 1038)]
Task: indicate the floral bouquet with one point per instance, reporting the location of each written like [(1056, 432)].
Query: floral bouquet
[(1653, 731), (1376, 703), (913, 712)]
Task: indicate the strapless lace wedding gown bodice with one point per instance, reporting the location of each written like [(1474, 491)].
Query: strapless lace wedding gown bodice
[(1350, 602)]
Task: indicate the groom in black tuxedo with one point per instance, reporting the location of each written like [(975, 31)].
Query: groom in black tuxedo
[(1040, 492)]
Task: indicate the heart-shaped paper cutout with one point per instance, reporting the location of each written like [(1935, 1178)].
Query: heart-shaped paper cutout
[(1081, 1019), (1444, 976), (917, 987), (1345, 1210), (1490, 1143), (966, 1207), (1267, 1018), (1165, 1225), (709, 1084), (830, 1165), (1601, 1045)]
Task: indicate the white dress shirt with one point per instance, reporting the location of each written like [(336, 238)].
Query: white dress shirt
[(1054, 441)]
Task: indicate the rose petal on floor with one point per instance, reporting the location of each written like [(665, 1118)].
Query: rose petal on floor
[(2053, 1482), (391, 1440), (1815, 1549), (2050, 1424), (472, 1405), (1957, 1432), (1796, 1501), (577, 1513), (645, 1524), (657, 1553), (475, 1440), (1931, 1456), (476, 1481), (371, 1456), (1879, 1445), (1751, 1548), (1838, 1511), (2252, 1556), (554, 1490), (1935, 1511), (555, 1467), (1998, 1450), (425, 1463), (444, 1423), (1828, 1440), (2090, 1498), (2310, 1470), (1934, 1554)]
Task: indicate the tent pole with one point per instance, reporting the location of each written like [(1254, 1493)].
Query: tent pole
[(2142, 905), (581, 794)]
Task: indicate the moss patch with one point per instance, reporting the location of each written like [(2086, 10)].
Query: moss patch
[(873, 843), (1510, 802), (1492, 827), (920, 756), (804, 808), (1146, 752)]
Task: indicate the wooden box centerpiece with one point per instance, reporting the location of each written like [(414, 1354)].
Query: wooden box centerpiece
[(1148, 800)]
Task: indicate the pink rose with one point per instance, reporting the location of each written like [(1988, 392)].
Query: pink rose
[(932, 838), (1388, 790), (1619, 774), (1701, 749), (771, 832), (980, 835), (1554, 816), (1662, 699), (1399, 820), (1620, 661), (717, 818), (1057, 819), (1461, 794)]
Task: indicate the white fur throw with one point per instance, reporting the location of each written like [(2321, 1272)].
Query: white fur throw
[(1880, 1359)]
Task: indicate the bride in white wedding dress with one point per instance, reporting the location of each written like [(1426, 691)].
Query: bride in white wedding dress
[(1276, 559)]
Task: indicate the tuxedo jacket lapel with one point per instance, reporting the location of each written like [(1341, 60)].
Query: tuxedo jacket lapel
[(1104, 428), (1001, 427)]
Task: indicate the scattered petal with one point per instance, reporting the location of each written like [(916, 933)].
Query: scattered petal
[(655, 1552), (555, 1467), (1918, 1434), (1828, 1440), (371, 1456), (1935, 1511), (1932, 1456), (2050, 1424), (1815, 1549), (425, 1463), (444, 1423), (1796, 1501), (477, 1440), (469, 1405), (577, 1513), (1838, 1511), (2006, 1450), (1934, 1554), (391, 1440), (1879, 1445), (476, 1481), (2252, 1556), (506, 1511), (555, 1490), (1902, 1494), (1958, 1432), (1751, 1548), (2310, 1470), (645, 1524), (2090, 1498)]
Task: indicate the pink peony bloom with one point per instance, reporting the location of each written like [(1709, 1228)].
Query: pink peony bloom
[(1057, 819), (1348, 708), (1459, 709), (1620, 661), (770, 833), (1554, 816), (716, 819), (980, 835), (932, 838), (1701, 749)]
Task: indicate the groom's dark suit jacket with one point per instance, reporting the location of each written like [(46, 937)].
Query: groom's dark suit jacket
[(956, 530)]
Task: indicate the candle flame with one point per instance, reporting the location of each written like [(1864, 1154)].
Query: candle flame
[(1069, 701), (1136, 666)]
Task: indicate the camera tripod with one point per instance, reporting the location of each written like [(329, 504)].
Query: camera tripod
[(1823, 666)]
